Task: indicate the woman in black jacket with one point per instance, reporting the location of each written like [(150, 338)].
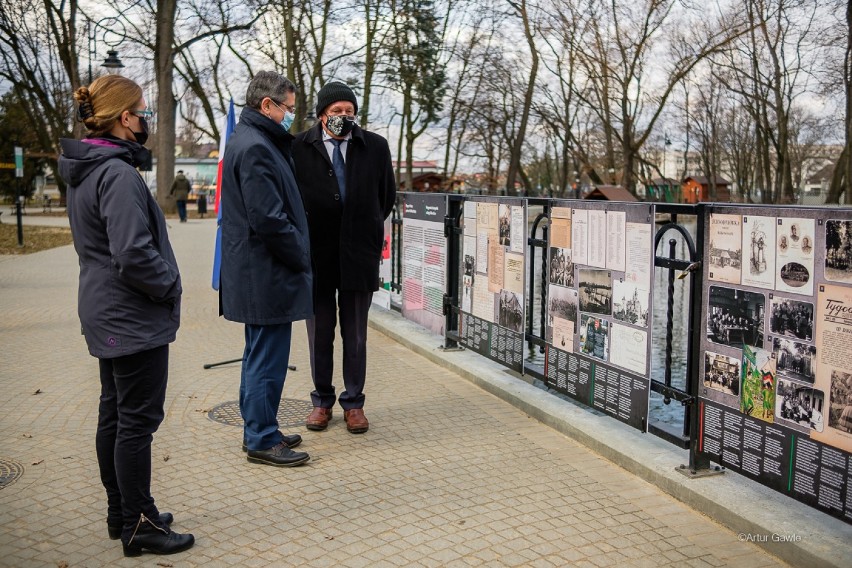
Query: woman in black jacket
[(128, 302)]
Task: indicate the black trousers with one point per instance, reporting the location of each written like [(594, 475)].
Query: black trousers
[(133, 389), (353, 308)]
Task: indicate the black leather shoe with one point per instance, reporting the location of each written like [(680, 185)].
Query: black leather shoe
[(290, 441), (114, 528), (280, 456), (151, 538)]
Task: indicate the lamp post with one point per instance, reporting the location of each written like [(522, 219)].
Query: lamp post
[(612, 176), (113, 35)]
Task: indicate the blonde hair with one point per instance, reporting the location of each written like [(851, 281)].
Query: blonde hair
[(100, 104)]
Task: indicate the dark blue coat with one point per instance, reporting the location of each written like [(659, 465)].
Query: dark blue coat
[(346, 240), (266, 267), (129, 295)]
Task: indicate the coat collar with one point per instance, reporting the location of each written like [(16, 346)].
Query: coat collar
[(280, 137)]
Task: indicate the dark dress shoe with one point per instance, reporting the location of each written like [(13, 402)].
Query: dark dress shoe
[(280, 456), (318, 419), (114, 527), (355, 420), (290, 441), (156, 540)]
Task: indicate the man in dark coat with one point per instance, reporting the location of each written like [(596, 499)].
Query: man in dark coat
[(266, 269), (180, 191), (346, 179)]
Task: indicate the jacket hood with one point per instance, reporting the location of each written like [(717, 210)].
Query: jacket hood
[(81, 157)]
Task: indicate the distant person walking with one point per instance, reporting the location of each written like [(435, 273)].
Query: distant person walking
[(181, 187), (128, 302), (346, 178), (266, 262)]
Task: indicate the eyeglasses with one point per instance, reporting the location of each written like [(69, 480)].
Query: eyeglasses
[(146, 114), (286, 106)]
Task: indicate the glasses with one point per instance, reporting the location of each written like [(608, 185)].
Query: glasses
[(286, 107), (146, 114)]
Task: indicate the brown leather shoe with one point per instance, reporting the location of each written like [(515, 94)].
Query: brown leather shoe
[(318, 419), (355, 420)]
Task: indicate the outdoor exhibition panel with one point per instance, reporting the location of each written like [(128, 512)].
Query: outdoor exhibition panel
[(494, 244), (424, 251), (599, 295), (775, 392)]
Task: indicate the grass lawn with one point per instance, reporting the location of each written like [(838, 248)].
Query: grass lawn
[(35, 238)]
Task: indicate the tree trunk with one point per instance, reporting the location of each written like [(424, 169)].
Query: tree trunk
[(515, 151), (164, 66)]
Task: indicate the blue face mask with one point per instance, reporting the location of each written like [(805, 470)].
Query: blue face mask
[(288, 119)]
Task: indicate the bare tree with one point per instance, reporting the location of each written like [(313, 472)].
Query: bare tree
[(618, 53), (38, 60)]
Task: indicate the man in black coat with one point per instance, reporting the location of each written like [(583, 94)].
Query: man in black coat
[(346, 179), (266, 268)]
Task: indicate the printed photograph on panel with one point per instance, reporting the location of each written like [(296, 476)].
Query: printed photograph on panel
[(511, 314), (838, 251), (735, 317), (632, 351), (759, 266), (467, 294), (722, 373), (594, 337), (795, 360), (798, 406), (562, 303), (795, 256), (758, 383), (505, 225), (561, 267), (840, 413), (833, 329), (562, 333), (560, 227), (725, 248), (595, 291), (630, 303), (791, 318)]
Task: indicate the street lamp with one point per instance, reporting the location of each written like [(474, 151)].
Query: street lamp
[(113, 35)]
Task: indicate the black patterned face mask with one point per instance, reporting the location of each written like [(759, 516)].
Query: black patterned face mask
[(340, 125)]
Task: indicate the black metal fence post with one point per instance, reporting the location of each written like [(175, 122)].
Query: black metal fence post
[(698, 463), (452, 232)]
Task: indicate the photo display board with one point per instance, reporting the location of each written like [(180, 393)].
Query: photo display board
[(424, 259), (494, 243), (599, 296), (776, 371)]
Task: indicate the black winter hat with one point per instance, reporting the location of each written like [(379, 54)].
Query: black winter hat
[(333, 92)]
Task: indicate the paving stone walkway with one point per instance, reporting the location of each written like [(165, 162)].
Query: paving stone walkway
[(448, 475)]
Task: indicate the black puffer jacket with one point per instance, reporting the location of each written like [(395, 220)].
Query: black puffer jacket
[(130, 288)]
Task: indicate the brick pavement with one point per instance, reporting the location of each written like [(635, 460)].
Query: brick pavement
[(448, 475)]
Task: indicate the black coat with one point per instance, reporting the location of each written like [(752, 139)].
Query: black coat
[(129, 294), (346, 241), (266, 267)]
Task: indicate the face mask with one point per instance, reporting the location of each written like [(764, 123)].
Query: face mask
[(287, 121), (142, 137), (340, 125)]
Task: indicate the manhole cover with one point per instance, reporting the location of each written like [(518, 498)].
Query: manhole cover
[(291, 412), (10, 471)]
